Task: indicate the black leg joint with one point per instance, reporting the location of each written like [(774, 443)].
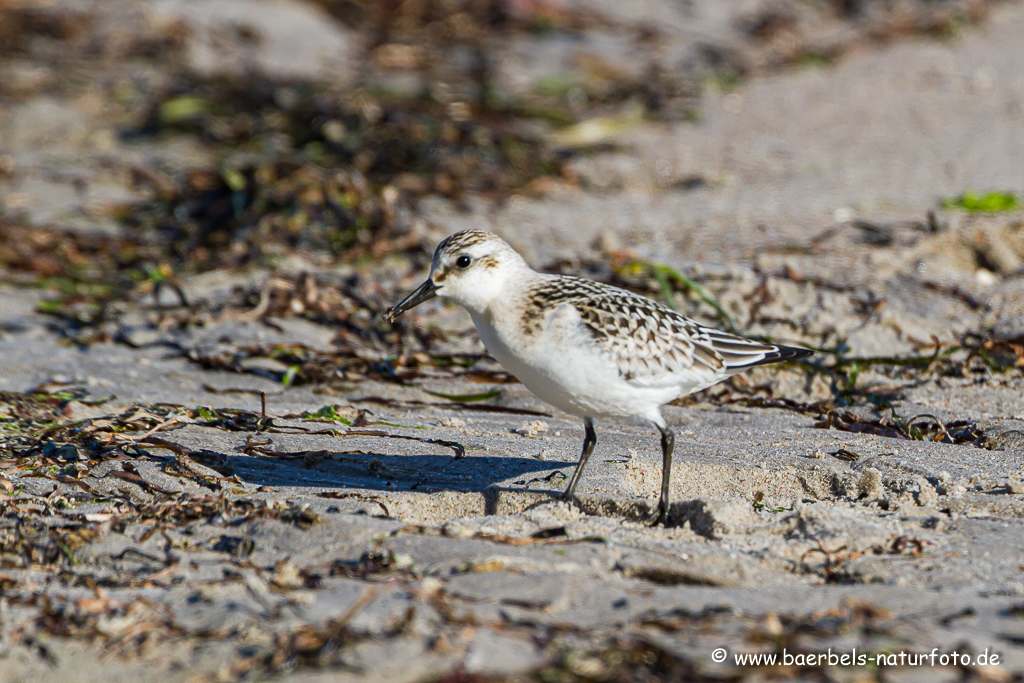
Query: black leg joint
[(589, 440)]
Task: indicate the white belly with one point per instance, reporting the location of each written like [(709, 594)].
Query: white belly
[(565, 369)]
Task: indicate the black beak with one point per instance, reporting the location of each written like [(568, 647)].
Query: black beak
[(425, 292)]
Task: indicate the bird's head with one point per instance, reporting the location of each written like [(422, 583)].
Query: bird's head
[(471, 268)]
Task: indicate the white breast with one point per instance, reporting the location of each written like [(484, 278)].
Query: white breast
[(562, 365)]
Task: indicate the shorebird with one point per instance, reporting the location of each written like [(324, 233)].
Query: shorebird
[(587, 348)]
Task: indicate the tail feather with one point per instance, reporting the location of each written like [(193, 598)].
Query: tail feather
[(779, 354), (740, 353)]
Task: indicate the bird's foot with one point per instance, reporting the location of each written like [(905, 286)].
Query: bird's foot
[(569, 499), (658, 517)]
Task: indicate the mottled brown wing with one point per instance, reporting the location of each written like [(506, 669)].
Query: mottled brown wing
[(647, 339)]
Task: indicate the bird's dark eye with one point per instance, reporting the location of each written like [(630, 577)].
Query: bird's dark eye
[(462, 261)]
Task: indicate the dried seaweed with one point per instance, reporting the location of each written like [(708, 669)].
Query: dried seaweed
[(923, 427), (834, 569)]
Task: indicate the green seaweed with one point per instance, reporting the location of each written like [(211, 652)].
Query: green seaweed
[(290, 375), (814, 60), (182, 109), (989, 202), (327, 414)]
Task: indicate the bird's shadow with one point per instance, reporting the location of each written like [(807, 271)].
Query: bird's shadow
[(384, 472)]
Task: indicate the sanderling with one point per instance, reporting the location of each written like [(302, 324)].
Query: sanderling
[(587, 348)]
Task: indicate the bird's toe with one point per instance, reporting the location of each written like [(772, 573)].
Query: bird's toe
[(659, 517)]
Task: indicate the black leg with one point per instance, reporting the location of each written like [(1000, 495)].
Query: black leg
[(589, 439), (668, 444)]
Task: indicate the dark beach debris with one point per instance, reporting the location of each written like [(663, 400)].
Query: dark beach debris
[(469, 407), (921, 427), (309, 645), (64, 451), (834, 570), (302, 365)]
